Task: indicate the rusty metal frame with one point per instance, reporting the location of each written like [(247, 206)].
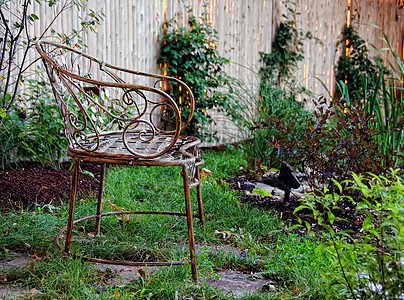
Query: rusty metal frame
[(89, 141)]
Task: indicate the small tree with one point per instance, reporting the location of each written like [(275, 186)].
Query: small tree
[(21, 96)]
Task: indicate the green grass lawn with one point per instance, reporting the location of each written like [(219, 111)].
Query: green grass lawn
[(288, 258)]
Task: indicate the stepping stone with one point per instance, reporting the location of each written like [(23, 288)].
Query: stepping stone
[(14, 260), (122, 275), (237, 284), (9, 291)]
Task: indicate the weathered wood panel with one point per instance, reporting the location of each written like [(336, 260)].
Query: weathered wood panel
[(325, 20)]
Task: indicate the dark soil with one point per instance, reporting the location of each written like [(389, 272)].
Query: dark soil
[(285, 210), (30, 184)]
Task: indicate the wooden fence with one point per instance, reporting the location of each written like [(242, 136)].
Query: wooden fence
[(131, 32)]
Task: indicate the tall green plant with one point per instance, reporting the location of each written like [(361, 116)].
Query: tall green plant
[(190, 54), (382, 98), (355, 67), (369, 264), (277, 92), (272, 104), (390, 110)]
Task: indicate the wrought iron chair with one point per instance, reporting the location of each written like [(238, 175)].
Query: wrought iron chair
[(117, 116)]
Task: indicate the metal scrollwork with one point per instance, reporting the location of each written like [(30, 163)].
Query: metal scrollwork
[(100, 112), (164, 85), (133, 135), (167, 114)]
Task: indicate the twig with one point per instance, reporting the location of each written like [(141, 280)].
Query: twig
[(342, 268), (64, 7)]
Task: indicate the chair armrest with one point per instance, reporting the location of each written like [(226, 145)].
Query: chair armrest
[(165, 83)]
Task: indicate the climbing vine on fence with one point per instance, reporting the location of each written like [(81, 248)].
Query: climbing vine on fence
[(190, 54)]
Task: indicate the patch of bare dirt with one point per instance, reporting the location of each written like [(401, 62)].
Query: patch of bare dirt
[(30, 183)]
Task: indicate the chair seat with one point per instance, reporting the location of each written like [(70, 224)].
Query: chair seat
[(112, 150)]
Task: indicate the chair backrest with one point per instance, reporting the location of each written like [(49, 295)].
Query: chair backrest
[(96, 99)]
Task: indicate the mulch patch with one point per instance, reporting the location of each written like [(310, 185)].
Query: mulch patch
[(285, 210), (30, 183)]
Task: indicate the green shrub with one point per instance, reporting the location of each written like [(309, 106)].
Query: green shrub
[(357, 66), (337, 142), (190, 54), (273, 104), (369, 264), (36, 132)]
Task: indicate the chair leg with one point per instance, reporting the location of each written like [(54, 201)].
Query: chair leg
[(72, 202), (191, 239), (99, 203), (199, 197)]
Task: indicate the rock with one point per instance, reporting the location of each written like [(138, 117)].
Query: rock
[(248, 186), (244, 254), (275, 192), (268, 287)]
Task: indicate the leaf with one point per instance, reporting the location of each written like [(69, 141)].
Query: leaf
[(88, 173), (337, 184), (331, 217), (2, 113), (294, 227), (367, 223), (26, 145), (142, 273), (261, 192), (299, 208)]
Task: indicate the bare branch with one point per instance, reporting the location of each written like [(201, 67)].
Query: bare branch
[(66, 5)]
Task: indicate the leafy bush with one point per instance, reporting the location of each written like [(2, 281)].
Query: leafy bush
[(35, 132), (272, 103), (360, 132), (190, 54), (357, 67), (337, 142), (369, 264)]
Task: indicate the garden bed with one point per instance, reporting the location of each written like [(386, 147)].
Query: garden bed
[(31, 184), (242, 181)]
